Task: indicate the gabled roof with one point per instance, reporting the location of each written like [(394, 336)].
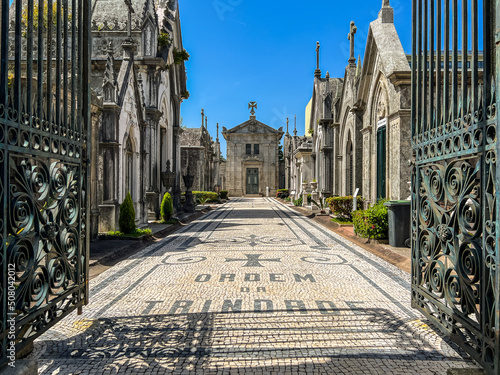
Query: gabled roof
[(253, 123)]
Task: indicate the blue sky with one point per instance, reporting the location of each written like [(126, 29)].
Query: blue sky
[(264, 51)]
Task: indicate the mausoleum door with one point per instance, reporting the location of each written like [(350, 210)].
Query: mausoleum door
[(381, 163), (252, 181)]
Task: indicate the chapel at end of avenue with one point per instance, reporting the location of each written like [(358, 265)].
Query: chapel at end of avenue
[(253, 164)]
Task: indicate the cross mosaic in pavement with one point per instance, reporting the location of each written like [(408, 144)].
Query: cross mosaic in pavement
[(250, 288)]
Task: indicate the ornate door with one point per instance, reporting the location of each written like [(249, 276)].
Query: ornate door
[(381, 163), (252, 181), (455, 195), (44, 163)]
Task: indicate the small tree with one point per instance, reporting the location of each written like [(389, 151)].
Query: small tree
[(127, 216), (167, 207)]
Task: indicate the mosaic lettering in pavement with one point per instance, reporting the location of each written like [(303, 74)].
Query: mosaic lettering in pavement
[(252, 287)]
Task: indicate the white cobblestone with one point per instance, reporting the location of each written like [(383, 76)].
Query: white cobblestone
[(253, 287)]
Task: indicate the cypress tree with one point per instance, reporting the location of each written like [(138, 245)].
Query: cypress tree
[(126, 220), (167, 208)]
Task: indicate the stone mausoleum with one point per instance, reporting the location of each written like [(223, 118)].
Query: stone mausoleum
[(358, 127), (253, 166)]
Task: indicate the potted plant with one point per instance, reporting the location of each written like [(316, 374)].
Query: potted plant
[(314, 185)]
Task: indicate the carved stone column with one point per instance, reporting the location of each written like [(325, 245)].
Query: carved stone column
[(153, 191)]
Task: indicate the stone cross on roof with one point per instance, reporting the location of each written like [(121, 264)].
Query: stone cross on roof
[(317, 72), (317, 55), (253, 106), (202, 116), (287, 125), (128, 3), (352, 59)]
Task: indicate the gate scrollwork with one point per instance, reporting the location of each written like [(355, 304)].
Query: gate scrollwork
[(44, 166), (455, 195)]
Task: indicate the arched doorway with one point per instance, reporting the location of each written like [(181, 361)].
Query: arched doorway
[(129, 167), (381, 160), (349, 167)]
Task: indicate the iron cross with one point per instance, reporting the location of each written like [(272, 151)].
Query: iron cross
[(253, 260), (252, 105)]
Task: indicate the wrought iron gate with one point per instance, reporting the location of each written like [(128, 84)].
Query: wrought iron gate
[(44, 163), (455, 197)]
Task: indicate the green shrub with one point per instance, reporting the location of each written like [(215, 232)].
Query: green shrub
[(298, 202), (167, 207), (126, 220), (164, 39), (282, 193), (180, 56), (288, 199), (209, 195), (202, 200), (223, 194), (373, 222), (135, 233), (321, 204), (342, 206)]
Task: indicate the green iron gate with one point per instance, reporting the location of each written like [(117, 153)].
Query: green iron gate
[(455, 195), (44, 163)]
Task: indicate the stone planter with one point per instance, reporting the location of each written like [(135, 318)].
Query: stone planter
[(314, 186)]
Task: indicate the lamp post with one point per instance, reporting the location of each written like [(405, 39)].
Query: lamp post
[(188, 181)]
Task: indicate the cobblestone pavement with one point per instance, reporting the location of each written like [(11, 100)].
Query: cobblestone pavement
[(251, 288)]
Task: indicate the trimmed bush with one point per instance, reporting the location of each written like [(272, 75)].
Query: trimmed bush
[(282, 193), (167, 207), (207, 196), (223, 194), (126, 220), (342, 206), (298, 202), (373, 222)]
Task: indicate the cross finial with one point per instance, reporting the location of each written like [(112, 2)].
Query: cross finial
[(206, 122), (295, 127), (317, 55), (287, 125), (128, 3), (317, 72), (202, 116), (352, 59), (253, 106), (217, 132)]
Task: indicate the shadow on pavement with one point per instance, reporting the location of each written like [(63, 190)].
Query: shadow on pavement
[(371, 341)]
